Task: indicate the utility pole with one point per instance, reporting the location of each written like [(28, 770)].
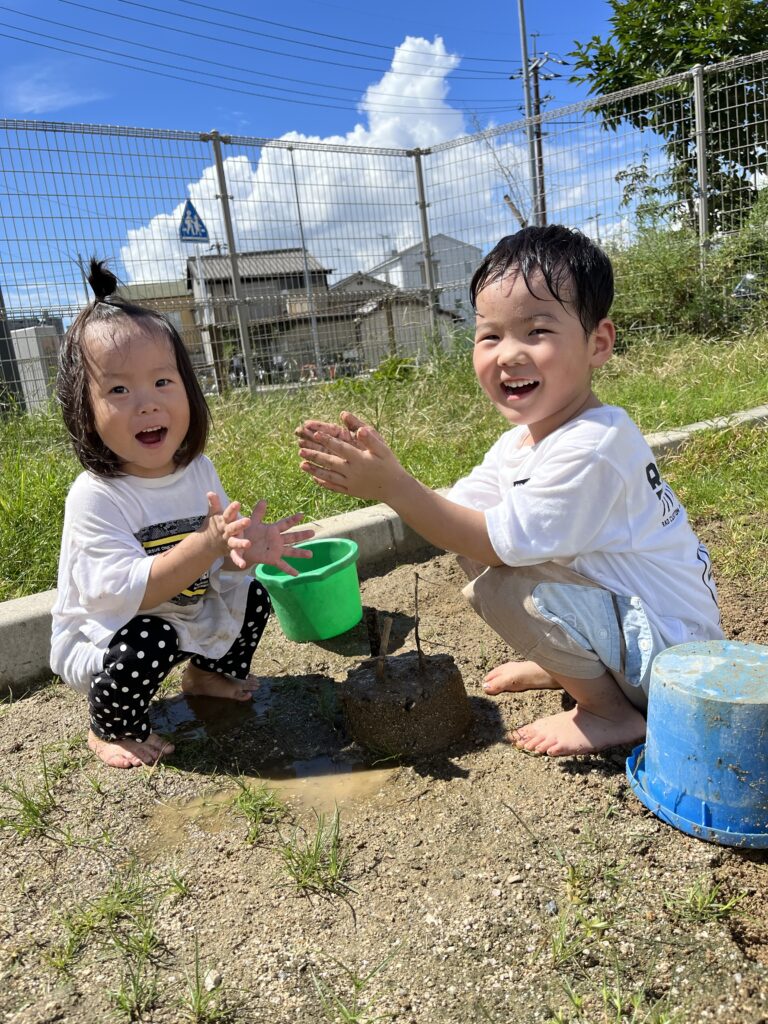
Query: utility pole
[(541, 197), (596, 219), (534, 73), (528, 110)]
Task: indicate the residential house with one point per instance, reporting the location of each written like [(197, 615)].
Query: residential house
[(387, 321), (172, 299), (29, 351), (453, 264), (297, 321), (286, 304)]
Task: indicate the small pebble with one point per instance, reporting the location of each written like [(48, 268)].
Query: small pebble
[(212, 980)]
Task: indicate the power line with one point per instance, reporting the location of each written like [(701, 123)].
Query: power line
[(184, 78), (322, 35), (207, 37), (205, 60)]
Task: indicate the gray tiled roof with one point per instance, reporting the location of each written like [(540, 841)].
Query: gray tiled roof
[(263, 264)]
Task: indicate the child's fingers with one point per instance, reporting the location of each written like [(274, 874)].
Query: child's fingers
[(286, 568), (231, 512), (310, 428), (324, 478), (325, 456), (258, 510), (238, 560), (288, 521), (352, 422), (295, 552), (236, 527)]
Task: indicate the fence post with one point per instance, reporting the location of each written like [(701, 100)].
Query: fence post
[(429, 268), (307, 277), (241, 309), (701, 155)]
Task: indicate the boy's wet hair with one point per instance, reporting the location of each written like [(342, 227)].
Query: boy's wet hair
[(576, 271), (108, 313)]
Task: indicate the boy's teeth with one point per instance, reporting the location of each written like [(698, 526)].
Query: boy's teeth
[(518, 383)]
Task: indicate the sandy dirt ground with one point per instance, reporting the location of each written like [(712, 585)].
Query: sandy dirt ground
[(479, 884)]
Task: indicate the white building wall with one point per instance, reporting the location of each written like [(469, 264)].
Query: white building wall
[(37, 354)]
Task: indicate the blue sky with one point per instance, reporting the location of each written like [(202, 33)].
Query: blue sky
[(266, 70)]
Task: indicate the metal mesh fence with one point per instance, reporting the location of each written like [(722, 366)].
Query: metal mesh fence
[(318, 260)]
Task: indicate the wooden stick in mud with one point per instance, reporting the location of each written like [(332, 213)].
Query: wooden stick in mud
[(372, 626), (417, 638), (386, 629)]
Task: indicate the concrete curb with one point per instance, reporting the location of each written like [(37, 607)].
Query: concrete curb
[(383, 538)]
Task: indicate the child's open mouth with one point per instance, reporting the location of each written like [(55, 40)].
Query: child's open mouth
[(519, 388), (152, 437)]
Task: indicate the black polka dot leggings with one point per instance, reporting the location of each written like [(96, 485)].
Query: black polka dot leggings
[(143, 652)]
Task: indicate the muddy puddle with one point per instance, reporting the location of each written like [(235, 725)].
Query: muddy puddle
[(318, 785)]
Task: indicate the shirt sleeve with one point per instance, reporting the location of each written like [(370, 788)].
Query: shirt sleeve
[(110, 567), (480, 488), (573, 503)]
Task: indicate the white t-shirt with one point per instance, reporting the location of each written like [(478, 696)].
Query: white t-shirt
[(590, 496), (112, 528)]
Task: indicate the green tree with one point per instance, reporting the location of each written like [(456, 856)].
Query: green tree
[(652, 39)]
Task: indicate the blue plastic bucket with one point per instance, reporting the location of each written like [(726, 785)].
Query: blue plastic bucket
[(704, 765), (324, 599)]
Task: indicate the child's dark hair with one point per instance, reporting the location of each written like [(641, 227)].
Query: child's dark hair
[(109, 312), (575, 270)]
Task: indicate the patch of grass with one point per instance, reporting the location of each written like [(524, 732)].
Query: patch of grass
[(25, 811), (701, 902), (316, 862), (199, 1004), (259, 806), (722, 477), (356, 1007), (662, 383), (136, 995), (121, 921), (613, 1001)]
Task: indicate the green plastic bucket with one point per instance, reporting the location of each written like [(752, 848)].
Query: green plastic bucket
[(324, 599)]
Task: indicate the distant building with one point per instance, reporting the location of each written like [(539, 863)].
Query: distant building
[(453, 264), (37, 354), (29, 352), (273, 282), (387, 321), (172, 299), (295, 319), (11, 395), (285, 306)]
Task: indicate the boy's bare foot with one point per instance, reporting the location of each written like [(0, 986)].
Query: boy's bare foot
[(516, 676), (198, 683), (578, 732), (128, 753)]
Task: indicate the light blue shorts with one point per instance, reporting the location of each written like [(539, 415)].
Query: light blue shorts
[(567, 623)]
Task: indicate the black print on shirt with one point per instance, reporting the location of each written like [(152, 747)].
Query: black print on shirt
[(519, 483), (162, 537), (706, 573), (670, 507)]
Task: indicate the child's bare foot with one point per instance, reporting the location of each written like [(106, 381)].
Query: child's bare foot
[(128, 753), (516, 676), (198, 683), (578, 732)]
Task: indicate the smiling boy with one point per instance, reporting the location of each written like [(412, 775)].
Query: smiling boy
[(579, 554)]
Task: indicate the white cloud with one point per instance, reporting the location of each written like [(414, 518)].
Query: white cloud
[(32, 89), (349, 220), (355, 207)]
